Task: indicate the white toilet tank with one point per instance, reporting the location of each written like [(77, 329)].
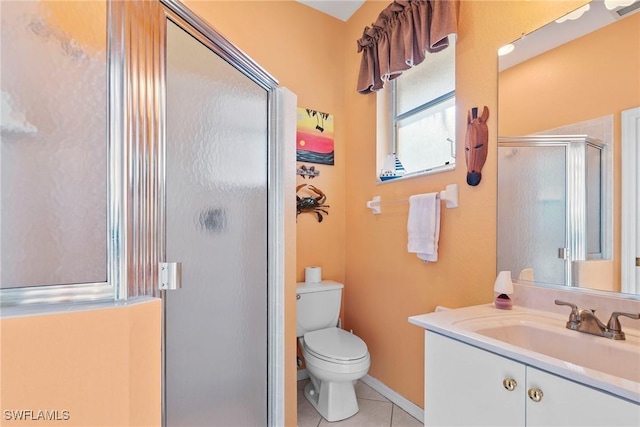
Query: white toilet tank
[(318, 305)]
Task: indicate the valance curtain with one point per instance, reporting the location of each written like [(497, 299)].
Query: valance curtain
[(401, 35)]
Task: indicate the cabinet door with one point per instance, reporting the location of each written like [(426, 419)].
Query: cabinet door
[(464, 386), (565, 403)]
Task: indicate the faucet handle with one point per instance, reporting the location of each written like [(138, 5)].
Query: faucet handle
[(573, 306), (573, 316), (614, 327)]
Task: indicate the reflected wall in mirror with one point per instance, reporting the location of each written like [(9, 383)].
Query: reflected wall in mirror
[(53, 132), (577, 84)]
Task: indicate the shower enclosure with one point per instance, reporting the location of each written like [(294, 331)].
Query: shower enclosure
[(550, 205), (150, 138)]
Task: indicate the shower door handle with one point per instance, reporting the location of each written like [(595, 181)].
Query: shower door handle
[(170, 276), (563, 253)]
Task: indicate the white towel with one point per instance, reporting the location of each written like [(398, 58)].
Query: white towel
[(423, 226)]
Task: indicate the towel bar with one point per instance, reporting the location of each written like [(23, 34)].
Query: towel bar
[(449, 196)]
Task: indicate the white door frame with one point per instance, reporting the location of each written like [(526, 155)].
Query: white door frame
[(282, 163), (630, 181)]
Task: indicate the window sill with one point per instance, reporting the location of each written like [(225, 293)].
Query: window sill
[(431, 171), (42, 310)]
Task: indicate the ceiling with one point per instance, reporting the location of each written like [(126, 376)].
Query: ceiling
[(341, 9)]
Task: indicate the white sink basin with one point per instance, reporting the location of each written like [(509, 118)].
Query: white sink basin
[(540, 339), (541, 335)]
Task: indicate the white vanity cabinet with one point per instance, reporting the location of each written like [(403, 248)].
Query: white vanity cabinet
[(567, 403), (465, 385)]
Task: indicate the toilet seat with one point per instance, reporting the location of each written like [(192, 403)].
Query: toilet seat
[(335, 345)]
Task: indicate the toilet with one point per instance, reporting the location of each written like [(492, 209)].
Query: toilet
[(335, 359)]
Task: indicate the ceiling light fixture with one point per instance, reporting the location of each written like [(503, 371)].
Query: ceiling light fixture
[(572, 16), (613, 4), (506, 49)]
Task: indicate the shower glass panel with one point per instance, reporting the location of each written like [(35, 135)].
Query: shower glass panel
[(53, 128), (532, 209), (216, 198), (594, 202)]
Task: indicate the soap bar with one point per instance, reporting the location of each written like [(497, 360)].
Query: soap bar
[(503, 302)]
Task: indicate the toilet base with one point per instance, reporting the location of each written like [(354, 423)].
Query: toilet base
[(335, 401)]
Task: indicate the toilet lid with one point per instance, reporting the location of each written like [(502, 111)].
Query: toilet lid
[(335, 343)]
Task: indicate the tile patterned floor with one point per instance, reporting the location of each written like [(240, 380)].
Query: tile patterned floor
[(375, 411)]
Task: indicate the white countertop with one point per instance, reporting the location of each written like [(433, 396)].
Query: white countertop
[(446, 323)]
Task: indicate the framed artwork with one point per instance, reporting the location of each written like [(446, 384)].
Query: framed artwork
[(314, 137)]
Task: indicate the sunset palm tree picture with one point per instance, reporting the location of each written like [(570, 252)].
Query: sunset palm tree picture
[(314, 137)]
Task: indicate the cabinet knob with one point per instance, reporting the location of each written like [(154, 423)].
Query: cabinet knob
[(535, 394), (509, 383)]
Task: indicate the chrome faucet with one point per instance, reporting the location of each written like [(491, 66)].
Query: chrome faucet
[(590, 324), (585, 320)]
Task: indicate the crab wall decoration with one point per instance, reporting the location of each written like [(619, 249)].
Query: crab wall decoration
[(310, 204)]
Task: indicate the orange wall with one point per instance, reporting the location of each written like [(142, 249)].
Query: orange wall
[(102, 366), (385, 284), (78, 20)]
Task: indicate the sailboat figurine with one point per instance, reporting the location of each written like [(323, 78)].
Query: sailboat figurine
[(392, 169)]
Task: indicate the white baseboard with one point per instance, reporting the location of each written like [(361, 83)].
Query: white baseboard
[(411, 408)]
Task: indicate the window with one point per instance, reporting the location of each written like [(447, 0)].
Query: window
[(416, 119)]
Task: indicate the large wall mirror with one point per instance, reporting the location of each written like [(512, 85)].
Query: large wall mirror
[(575, 77)]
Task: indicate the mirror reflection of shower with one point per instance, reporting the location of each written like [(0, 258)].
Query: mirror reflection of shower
[(551, 215)]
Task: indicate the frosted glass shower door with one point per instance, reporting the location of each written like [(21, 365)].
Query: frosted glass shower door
[(532, 206), (216, 225)]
